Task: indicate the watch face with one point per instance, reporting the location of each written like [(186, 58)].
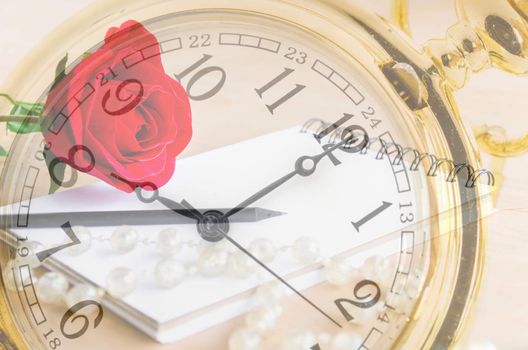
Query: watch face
[(216, 179)]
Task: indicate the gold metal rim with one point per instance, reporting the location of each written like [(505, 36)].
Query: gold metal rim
[(353, 23)]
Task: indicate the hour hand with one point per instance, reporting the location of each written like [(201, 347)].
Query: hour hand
[(134, 217), (152, 195), (183, 208)]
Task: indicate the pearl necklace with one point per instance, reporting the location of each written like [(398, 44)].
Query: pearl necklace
[(54, 288), (212, 261)]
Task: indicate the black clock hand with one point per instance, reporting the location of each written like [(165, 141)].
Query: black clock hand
[(304, 166), (184, 208), (282, 280), (180, 208), (260, 194), (192, 210), (132, 217)]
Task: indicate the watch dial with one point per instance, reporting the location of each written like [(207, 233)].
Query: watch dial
[(283, 223)]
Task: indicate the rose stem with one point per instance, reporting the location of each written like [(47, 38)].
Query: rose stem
[(18, 118)]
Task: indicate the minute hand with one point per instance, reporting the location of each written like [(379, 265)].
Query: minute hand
[(304, 166)]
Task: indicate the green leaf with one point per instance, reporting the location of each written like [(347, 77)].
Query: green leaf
[(60, 72), (3, 152), (58, 171), (25, 108), (25, 126)]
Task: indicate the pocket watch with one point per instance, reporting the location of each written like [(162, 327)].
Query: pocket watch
[(330, 196)]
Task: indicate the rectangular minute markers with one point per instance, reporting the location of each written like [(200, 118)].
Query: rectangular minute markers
[(71, 105), (246, 40), (151, 51), (26, 195), (400, 171), (129, 61), (31, 297), (341, 83), (371, 340), (406, 252), (404, 262)]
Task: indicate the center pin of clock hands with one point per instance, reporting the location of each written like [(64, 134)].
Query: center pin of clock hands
[(210, 221), (304, 166), (213, 225)]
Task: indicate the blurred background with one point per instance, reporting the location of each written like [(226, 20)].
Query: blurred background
[(500, 317)]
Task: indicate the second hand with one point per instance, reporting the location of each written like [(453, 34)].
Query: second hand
[(245, 251)]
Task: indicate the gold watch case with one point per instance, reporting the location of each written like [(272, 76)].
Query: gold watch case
[(424, 99)]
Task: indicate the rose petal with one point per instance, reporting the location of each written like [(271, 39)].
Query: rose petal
[(140, 145)]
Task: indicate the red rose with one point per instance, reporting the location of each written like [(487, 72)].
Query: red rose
[(117, 115)]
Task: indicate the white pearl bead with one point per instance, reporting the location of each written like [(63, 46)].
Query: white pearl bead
[(263, 320), (30, 250), (338, 272), (346, 340), (365, 316), (124, 239), (413, 285), (270, 294), (305, 250), (375, 266), (169, 242), (13, 279), (204, 246), (191, 270), (212, 262), (169, 273), (82, 292), (324, 340), (401, 303), (85, 236), (121, 282), (263, 249), (299, 341), (51, 287), (244, 339), (240, 265)]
